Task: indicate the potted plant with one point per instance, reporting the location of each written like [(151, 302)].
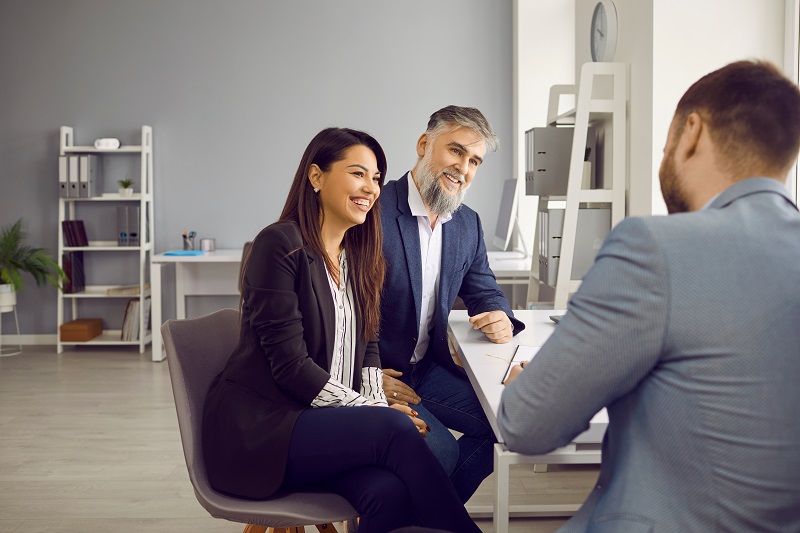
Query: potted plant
[(126, 187), (17, 257)]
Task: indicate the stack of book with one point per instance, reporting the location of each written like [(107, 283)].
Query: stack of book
[(73, 268), (130, 323), (74, 233), (126, 290)]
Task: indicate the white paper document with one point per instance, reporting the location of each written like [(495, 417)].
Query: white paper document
[(522, 353)]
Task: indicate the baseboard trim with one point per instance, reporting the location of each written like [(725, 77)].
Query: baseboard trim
[(27, 340)]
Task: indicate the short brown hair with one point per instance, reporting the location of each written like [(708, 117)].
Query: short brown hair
[(753, 114)]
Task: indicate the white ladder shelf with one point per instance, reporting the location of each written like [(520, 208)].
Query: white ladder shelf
[(610, 110)]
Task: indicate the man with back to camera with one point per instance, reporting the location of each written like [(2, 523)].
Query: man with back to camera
[(685, 328), (434, 252)]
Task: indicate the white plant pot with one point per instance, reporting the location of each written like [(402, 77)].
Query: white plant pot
[(126, 193), (8, 298)]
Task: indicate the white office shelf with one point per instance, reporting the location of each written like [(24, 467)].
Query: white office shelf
[(609, 114), (111, 197), (93, 150), (109, 337), (107, 246), (99, 291), (68, 208)]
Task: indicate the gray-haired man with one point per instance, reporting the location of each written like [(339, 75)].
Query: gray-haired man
[(435, 251)]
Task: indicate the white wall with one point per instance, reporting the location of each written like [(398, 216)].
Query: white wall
[(668, 45), (544, 49), (692, 38), (234, 91)]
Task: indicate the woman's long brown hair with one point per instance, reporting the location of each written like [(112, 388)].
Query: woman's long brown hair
[(363, 242)]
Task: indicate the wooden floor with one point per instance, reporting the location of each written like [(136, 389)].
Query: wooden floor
[(89, 443)]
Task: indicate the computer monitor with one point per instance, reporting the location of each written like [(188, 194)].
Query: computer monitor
[(507, 218)]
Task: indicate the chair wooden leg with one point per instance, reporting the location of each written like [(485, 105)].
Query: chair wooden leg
[(322, 528)]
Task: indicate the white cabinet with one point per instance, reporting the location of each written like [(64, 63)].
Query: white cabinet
[(101, 255), (571, 225)]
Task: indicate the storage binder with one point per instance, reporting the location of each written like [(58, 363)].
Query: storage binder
[(73, 269), (133, 225), (122, 225), (74, 233), (89, 177), (63, 177), (66, 229), (81, 239), (73, 177)]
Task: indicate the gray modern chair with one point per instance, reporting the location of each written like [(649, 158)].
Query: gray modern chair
[(197, 349)]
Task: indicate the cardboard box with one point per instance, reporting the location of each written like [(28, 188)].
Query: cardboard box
[(81, 329)]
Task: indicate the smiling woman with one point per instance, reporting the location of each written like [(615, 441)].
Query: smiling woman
[(347, 191), (307, 358)]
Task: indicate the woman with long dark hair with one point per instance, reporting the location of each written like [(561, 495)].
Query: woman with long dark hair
[(290, 409)]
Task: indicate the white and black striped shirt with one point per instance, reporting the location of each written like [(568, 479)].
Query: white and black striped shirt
[(338, 391)]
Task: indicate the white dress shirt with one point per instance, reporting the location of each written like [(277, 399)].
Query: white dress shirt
[(430, 245)]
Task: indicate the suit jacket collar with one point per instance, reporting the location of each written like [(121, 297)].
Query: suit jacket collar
[(402, 194), (747, 187), (322, 290), (409, 232), (451, 252), (319, 280), (409, 235)]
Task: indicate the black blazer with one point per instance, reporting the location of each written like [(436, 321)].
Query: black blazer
[(278, 367)]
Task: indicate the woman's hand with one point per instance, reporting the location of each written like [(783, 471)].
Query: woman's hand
[(396, 391), (422, 427)]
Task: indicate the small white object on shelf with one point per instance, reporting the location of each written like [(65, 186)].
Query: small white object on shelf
[(106, 143)]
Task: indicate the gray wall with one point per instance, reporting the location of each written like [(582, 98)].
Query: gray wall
[(234, 91)]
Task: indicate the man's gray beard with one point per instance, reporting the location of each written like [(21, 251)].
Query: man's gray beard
[(437, 201)]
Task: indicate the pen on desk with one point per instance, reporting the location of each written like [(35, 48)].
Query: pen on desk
[(510, 363)]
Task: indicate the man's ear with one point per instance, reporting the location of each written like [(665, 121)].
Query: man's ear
[(422, 144), (690, 137)]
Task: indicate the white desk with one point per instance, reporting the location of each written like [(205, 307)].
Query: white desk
[(485, 363), (211, 274), (217, 273), (511, 268)]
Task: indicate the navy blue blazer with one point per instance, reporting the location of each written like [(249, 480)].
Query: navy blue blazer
[(465, 272)]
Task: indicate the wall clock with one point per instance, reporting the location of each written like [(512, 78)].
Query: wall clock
[(603, 40)]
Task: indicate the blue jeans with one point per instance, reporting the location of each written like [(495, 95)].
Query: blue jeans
[(448, 401)]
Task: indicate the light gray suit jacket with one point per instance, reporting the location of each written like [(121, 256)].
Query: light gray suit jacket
[(687, 328)]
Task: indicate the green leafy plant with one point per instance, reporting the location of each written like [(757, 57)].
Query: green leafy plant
[(126, 183), (17, 257)]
